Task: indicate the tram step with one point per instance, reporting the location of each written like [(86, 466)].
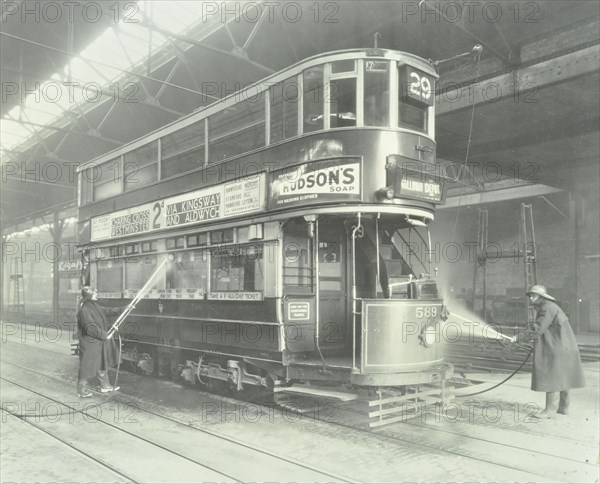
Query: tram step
[(308, 390)]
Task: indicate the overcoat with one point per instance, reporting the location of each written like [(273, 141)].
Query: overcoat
[(95, 352), (556, 360)]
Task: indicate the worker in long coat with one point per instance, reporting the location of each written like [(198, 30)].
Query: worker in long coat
[(96, 353), (556, 360)]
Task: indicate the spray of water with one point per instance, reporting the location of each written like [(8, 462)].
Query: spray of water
[(479, 329), (464, 324)]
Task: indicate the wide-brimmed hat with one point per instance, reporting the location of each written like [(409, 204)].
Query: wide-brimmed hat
[(540, 291)]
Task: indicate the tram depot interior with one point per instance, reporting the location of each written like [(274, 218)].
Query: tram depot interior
[(538, 146), (516, 135)]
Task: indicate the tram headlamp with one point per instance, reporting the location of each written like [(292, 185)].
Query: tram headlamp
[(428, 335), (386, 193)]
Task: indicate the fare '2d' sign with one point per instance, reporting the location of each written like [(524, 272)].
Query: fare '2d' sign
[(238, 197), (330, 180)]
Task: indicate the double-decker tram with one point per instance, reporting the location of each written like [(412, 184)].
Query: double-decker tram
[(295, 217)]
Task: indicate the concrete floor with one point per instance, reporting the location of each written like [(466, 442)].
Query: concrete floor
[(485, 438)]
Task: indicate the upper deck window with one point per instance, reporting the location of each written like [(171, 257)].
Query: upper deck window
[(106, 178), (141, 166), (237, 129), (343, 66), (342, 102), (312, 98), (182, 150), (377, 92), (284, 110)]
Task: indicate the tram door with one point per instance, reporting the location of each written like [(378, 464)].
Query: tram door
[(332, 284), (299, 283)]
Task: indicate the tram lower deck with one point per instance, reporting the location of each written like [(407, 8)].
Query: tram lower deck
[(328, 298)]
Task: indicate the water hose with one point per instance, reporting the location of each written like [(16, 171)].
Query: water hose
[(503, 381)]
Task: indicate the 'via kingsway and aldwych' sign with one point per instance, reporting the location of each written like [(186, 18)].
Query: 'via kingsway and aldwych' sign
[(207, 204)]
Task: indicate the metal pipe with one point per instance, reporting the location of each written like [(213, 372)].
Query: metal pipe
[(354, 313), (317, 287), (377, 249), (131, 306)]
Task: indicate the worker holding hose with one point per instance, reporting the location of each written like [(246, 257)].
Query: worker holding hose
[(97, 353), (556, 360)]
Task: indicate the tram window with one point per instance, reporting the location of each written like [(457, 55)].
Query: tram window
[(236, 130), (130, 249), (412, 116), (312, 98), (138, 271), (377, 106), (86, 178), (221, 236), (342, 101), (297, 261), (197, 240), (330, 268), (107, 179), (175, 243), (109, 276), (182, 150), (149, 246), (141, 166), (347, 65), (188, 271), (99, 253), (284, 110), (237, 268)]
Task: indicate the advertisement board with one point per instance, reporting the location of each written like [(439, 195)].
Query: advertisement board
[(316, 182), (225, 200)]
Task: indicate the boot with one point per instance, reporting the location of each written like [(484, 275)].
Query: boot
[(563, 406), (104, 381), (82, 391), (551, 405), (105, 385)]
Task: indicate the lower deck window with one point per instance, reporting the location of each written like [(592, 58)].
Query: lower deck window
[(188, 271), (109, 276), (237, 268), (138, 271)]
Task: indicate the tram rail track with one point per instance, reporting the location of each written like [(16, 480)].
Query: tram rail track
[(326, 474), (73, 448), (97, 419), (386, 434)]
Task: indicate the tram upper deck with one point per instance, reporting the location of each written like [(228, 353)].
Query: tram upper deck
[(350, 127)]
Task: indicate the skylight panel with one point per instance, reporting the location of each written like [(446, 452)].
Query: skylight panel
[(107, 49), (40, 113), (13, 133), (101, 63), (175, 16), (137, 46)]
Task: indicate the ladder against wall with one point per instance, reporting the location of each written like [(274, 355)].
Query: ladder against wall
[(527, 253), (16, 291), (529, 250)]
